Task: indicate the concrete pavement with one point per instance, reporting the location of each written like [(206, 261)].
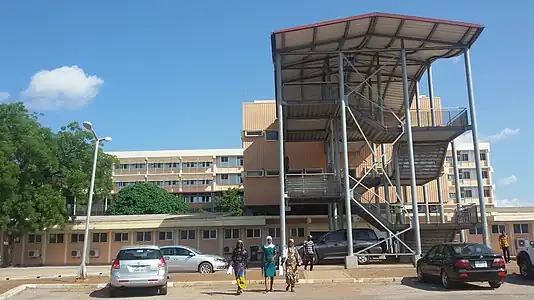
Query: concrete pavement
[(516, 289)]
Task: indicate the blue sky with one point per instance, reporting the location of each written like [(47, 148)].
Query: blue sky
[(173, 74)]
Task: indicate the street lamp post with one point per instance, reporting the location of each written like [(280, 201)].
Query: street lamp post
[(83, 267)]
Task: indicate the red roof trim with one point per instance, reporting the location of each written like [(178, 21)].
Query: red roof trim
[(376, 14)]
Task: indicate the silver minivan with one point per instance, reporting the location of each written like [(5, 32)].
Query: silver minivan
[(138, 267)]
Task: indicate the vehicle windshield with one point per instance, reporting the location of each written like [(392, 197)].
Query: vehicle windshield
[(139, 254), (471, 249)]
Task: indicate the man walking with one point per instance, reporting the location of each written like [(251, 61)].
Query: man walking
[(505, 246), (309, 253)]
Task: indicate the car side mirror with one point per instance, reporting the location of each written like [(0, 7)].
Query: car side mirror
[(191, 254), (532, 243)]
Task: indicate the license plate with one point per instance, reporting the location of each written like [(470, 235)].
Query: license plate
[(481, 264), (138, 269)]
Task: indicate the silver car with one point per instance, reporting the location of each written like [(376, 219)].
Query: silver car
[(186, 259), (138, 267)]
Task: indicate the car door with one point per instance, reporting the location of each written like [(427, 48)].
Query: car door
[(187, 259), (335, 244), (436, 261), (424, 263), (170, 258)]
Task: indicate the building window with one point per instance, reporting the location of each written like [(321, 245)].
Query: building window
[(450, 177), (165, 235), (34, 238), (521, 228), (121, 236), (485, 174), (224, 176), (241, 161), (271, 173), (209, 234), (452, 195), (100, 237), (224, 159), (253, 133), (497, 229), (477, 230), (483, 156), (467, 194), (271, 135), (187, 234), (297, 232), (141, 236), (253, 233), (466, 175), (56, 238), (231, 233), (487, 193), (462, 157), (77, 237), (274, 232), (313, 171), (448, 158), (255, 173)]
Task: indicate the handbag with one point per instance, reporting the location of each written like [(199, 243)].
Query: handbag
[(230, 270)]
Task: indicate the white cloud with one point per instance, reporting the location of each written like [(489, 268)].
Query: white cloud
[(507, 180), (4, 96), (65, 87), (513, 202), (504, 134), (494, 138)]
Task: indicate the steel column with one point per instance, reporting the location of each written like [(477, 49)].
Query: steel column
[(386, 183), (335, 211), (417, 104), (346, 180), (474, 132), (427, 210), (433, 118), (281, 152), (398, 186), (408, 131), (330, 217), (457, 185)]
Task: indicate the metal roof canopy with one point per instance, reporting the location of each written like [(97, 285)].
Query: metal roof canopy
[(309, 53)]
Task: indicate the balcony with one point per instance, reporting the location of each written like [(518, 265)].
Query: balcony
[(443, 117), (321, 185)]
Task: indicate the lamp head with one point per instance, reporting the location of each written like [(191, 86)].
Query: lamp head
[(107, 139), (88, 125)]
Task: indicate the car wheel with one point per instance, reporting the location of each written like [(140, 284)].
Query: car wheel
[(445, 280), (525, 268), (205, 268), (113, 292), (495, 284), (363, 259), (163, 290), (420, 276)]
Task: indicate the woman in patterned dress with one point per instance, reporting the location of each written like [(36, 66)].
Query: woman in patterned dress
[(270, 258), (292, 261), (239, 264)]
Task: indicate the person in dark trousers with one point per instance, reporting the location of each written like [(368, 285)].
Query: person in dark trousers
[(397, 209), (309, 253), (239, 264), (505, 246)]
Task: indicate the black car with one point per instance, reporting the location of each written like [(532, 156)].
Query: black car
[(462, 262), (333, 245)]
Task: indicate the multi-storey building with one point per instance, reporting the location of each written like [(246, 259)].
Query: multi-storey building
[(196, 175), (465, 156)]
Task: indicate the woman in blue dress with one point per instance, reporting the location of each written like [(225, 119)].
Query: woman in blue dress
[(270, 259)]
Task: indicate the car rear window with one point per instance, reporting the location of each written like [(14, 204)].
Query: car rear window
[(471, 249), (139, 254)]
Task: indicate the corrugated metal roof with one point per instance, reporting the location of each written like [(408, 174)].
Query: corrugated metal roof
[(309, 52)]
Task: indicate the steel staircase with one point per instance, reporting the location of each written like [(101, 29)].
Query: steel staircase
[(373, 130), (428, 161)]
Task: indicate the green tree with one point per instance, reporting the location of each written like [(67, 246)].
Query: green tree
[(75, 150), (146, 198), (30, 198), (230, 202)]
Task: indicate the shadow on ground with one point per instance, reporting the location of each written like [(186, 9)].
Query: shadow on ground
[(517, 279), (130, 293), (435, 286)]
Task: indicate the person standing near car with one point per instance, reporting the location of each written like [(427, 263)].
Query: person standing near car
[(505, 246), (239, 264), (309, 253)]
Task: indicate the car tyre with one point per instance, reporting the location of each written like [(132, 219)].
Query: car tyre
[(420, 276), (525, 267), (364, 259), (113, 292), (205, 268), (162, 290), (445, 280), (495, 284)]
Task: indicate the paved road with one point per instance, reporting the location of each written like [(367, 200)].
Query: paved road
[(409, 290)]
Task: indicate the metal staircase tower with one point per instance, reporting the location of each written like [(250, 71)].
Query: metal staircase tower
[(350, 84)]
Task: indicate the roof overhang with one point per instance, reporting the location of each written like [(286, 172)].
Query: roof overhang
[(372, 42)]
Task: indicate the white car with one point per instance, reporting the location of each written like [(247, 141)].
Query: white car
[(525, 257), (186, 259)]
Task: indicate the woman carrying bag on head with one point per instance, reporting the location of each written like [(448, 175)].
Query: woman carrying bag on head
[(239, 265)]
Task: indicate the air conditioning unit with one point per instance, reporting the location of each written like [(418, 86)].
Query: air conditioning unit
[(94, 253), (34, 253), (521, 243), (76, 253)]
